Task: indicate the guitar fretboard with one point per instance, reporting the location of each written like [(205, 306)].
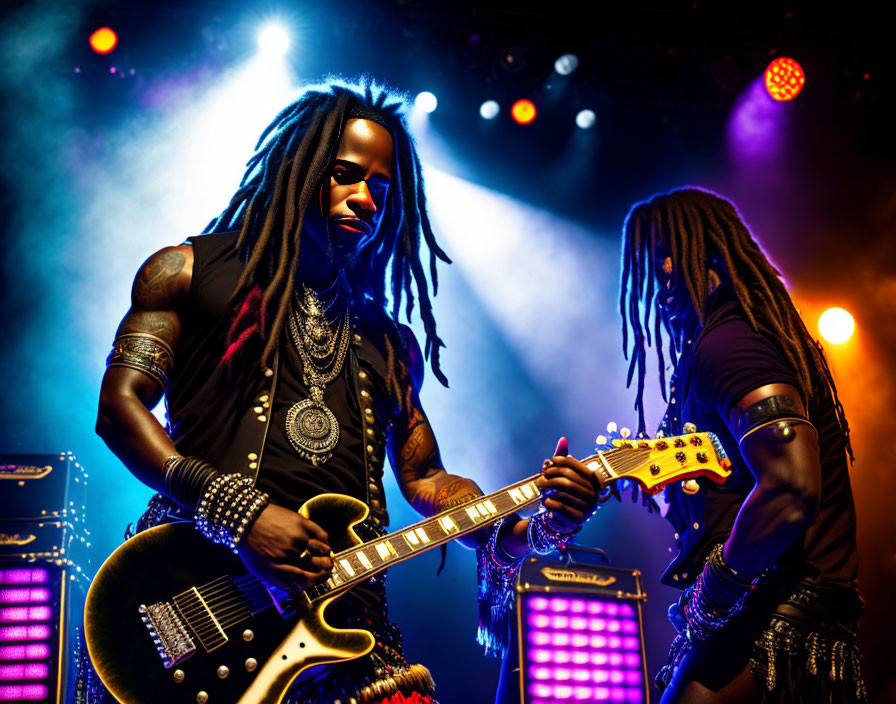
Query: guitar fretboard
[(362, 561)]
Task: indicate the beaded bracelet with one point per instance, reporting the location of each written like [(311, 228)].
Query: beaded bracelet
[(543, 539), (227, 509), (715, 598)]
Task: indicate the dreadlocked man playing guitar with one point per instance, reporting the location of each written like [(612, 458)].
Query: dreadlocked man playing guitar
[(286, 378)]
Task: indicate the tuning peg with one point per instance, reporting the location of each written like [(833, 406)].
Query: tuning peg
[(660, 434), (600, 440), (625, 433), (689, 428), (611, 427)]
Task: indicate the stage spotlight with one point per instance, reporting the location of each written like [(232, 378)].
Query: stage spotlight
[(586, 119), (836, 325), (523, 111), (273, 40), (103, 40), (784, 79), (489, 109), (566, 64), (426, 101)]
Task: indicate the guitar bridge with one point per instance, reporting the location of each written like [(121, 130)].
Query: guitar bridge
[(168, 633)]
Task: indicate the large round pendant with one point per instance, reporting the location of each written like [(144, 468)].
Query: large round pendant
[(312, 429)]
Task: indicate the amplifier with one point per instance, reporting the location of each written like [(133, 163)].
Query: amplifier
[(41, 607), (581, 632), (43, 486)]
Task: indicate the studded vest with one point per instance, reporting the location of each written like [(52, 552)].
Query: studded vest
[(223, 416)]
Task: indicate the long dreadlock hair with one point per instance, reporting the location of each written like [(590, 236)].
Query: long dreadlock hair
[(698, 229), (282, 180)]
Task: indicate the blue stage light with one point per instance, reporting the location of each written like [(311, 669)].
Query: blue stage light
[(566, 64), (273, 40), (426, 101), (489, 109), (586, 119)]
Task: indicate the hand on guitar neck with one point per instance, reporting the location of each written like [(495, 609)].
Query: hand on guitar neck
[(570, 489), (570, 493)]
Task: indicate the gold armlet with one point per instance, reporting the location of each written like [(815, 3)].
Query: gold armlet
[(782, 423), (143, 352)]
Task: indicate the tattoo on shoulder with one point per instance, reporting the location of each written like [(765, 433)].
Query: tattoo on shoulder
[(156, 276)]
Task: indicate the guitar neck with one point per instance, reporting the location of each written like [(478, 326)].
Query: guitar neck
[(362, 561), (651, 462)]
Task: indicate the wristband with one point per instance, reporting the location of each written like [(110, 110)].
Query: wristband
[(542, 538)]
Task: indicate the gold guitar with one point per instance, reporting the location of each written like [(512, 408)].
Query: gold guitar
[(173, 618)]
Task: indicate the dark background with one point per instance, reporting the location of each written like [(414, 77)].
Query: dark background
[(89, 191)]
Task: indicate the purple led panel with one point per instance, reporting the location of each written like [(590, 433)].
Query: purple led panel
[(31, 651), (24, 595), (29, 622), (27, 692), (581, 648), (24, 575), (25, 613)]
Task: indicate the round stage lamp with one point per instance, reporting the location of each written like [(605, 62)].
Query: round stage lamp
[(523, 111), (489, 109), (273, 40), (566, 64), (585, 119), (103, 40), (836, 325), (784, 79), (426, 101)]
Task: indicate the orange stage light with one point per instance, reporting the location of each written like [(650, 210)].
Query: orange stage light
[(784, 79), (836, 325), (523, 111), (103, 40)]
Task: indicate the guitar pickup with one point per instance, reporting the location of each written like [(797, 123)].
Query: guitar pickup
[(168, 633)]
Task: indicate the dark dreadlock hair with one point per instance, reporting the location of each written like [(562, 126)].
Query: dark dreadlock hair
[(698, 229), (282, 180)]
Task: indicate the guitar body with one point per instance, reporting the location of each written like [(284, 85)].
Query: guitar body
[(168, 560)]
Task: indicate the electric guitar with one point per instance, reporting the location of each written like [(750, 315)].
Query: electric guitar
[(171, 617)]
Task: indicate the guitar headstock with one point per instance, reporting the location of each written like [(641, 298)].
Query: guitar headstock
[(654, 462)]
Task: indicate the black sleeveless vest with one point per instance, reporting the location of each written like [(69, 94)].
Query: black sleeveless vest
[(223, 415)]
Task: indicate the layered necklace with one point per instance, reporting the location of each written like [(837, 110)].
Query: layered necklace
[(311, 427)]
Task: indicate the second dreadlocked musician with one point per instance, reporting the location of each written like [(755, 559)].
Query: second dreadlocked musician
[(767, 561), (287, 375)]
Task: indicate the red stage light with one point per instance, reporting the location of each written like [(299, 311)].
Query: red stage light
[(784, 78), (103, 40), (523, 111)]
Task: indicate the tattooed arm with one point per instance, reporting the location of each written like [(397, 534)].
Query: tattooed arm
[(422, 479), (132, 387)]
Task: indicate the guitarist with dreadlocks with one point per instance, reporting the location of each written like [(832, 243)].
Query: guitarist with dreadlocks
[(286, 374), (767, 562)]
